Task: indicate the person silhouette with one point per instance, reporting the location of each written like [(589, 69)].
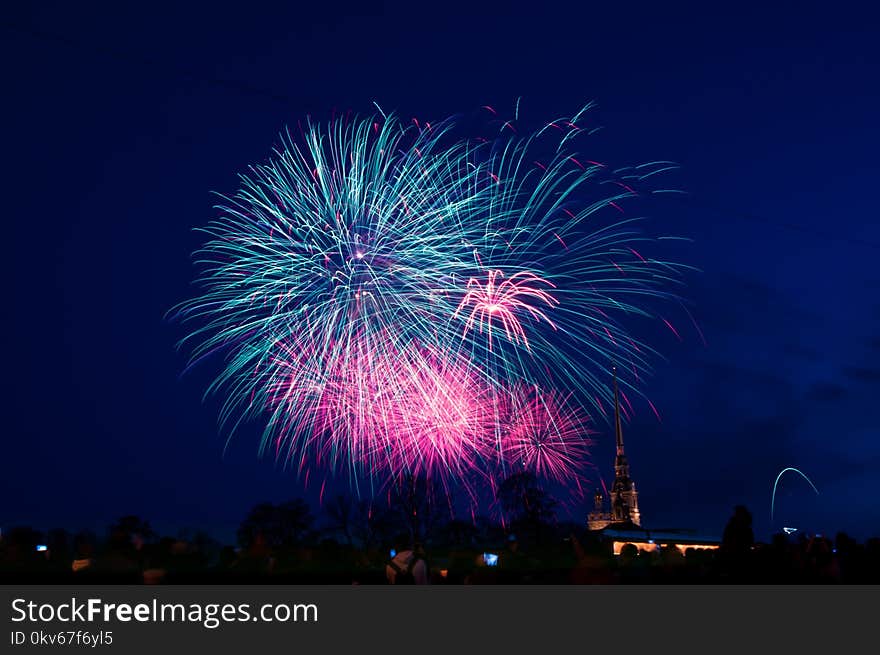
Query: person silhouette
[(736, 544)]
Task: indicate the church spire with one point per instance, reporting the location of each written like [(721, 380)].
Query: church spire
[(624, 498), (618, 429)]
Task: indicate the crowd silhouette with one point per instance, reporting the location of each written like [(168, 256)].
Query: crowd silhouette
[(286, 544)]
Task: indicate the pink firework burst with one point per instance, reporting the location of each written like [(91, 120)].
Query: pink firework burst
[(439, 417), (387, 411), (503, 301), (547, 436)]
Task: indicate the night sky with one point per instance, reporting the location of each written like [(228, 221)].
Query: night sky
[(118, 123)]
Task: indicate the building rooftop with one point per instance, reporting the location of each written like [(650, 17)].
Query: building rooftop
[(624, 532)]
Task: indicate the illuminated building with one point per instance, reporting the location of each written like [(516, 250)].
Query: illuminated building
[(654, 540), (621, 521), (624, 501)]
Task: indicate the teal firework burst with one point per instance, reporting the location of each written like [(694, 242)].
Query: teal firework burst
[(377, 287)]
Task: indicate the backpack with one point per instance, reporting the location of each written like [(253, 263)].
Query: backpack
[(404, 575)]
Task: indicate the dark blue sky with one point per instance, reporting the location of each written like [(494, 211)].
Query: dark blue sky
[(118, 122)]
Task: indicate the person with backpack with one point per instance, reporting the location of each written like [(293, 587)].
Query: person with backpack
[(407, 565)]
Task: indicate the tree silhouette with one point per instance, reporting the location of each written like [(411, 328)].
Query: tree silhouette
[(373, 526), (283, 525), (341, 511), (416, 502), (59, 541), (529, 507), (128, 528), (19, 544), (522, 498), (459, 533)]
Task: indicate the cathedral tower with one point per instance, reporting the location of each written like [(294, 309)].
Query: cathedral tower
[(624, 498)]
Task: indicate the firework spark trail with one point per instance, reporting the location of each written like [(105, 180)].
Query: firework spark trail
[(776, 483), (379, 288)]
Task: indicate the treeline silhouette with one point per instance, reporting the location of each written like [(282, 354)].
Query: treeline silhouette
[(350, 542)]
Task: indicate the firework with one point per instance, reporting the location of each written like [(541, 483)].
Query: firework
[(776, 483), (378, 289), (502, 302), (546, 436)]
